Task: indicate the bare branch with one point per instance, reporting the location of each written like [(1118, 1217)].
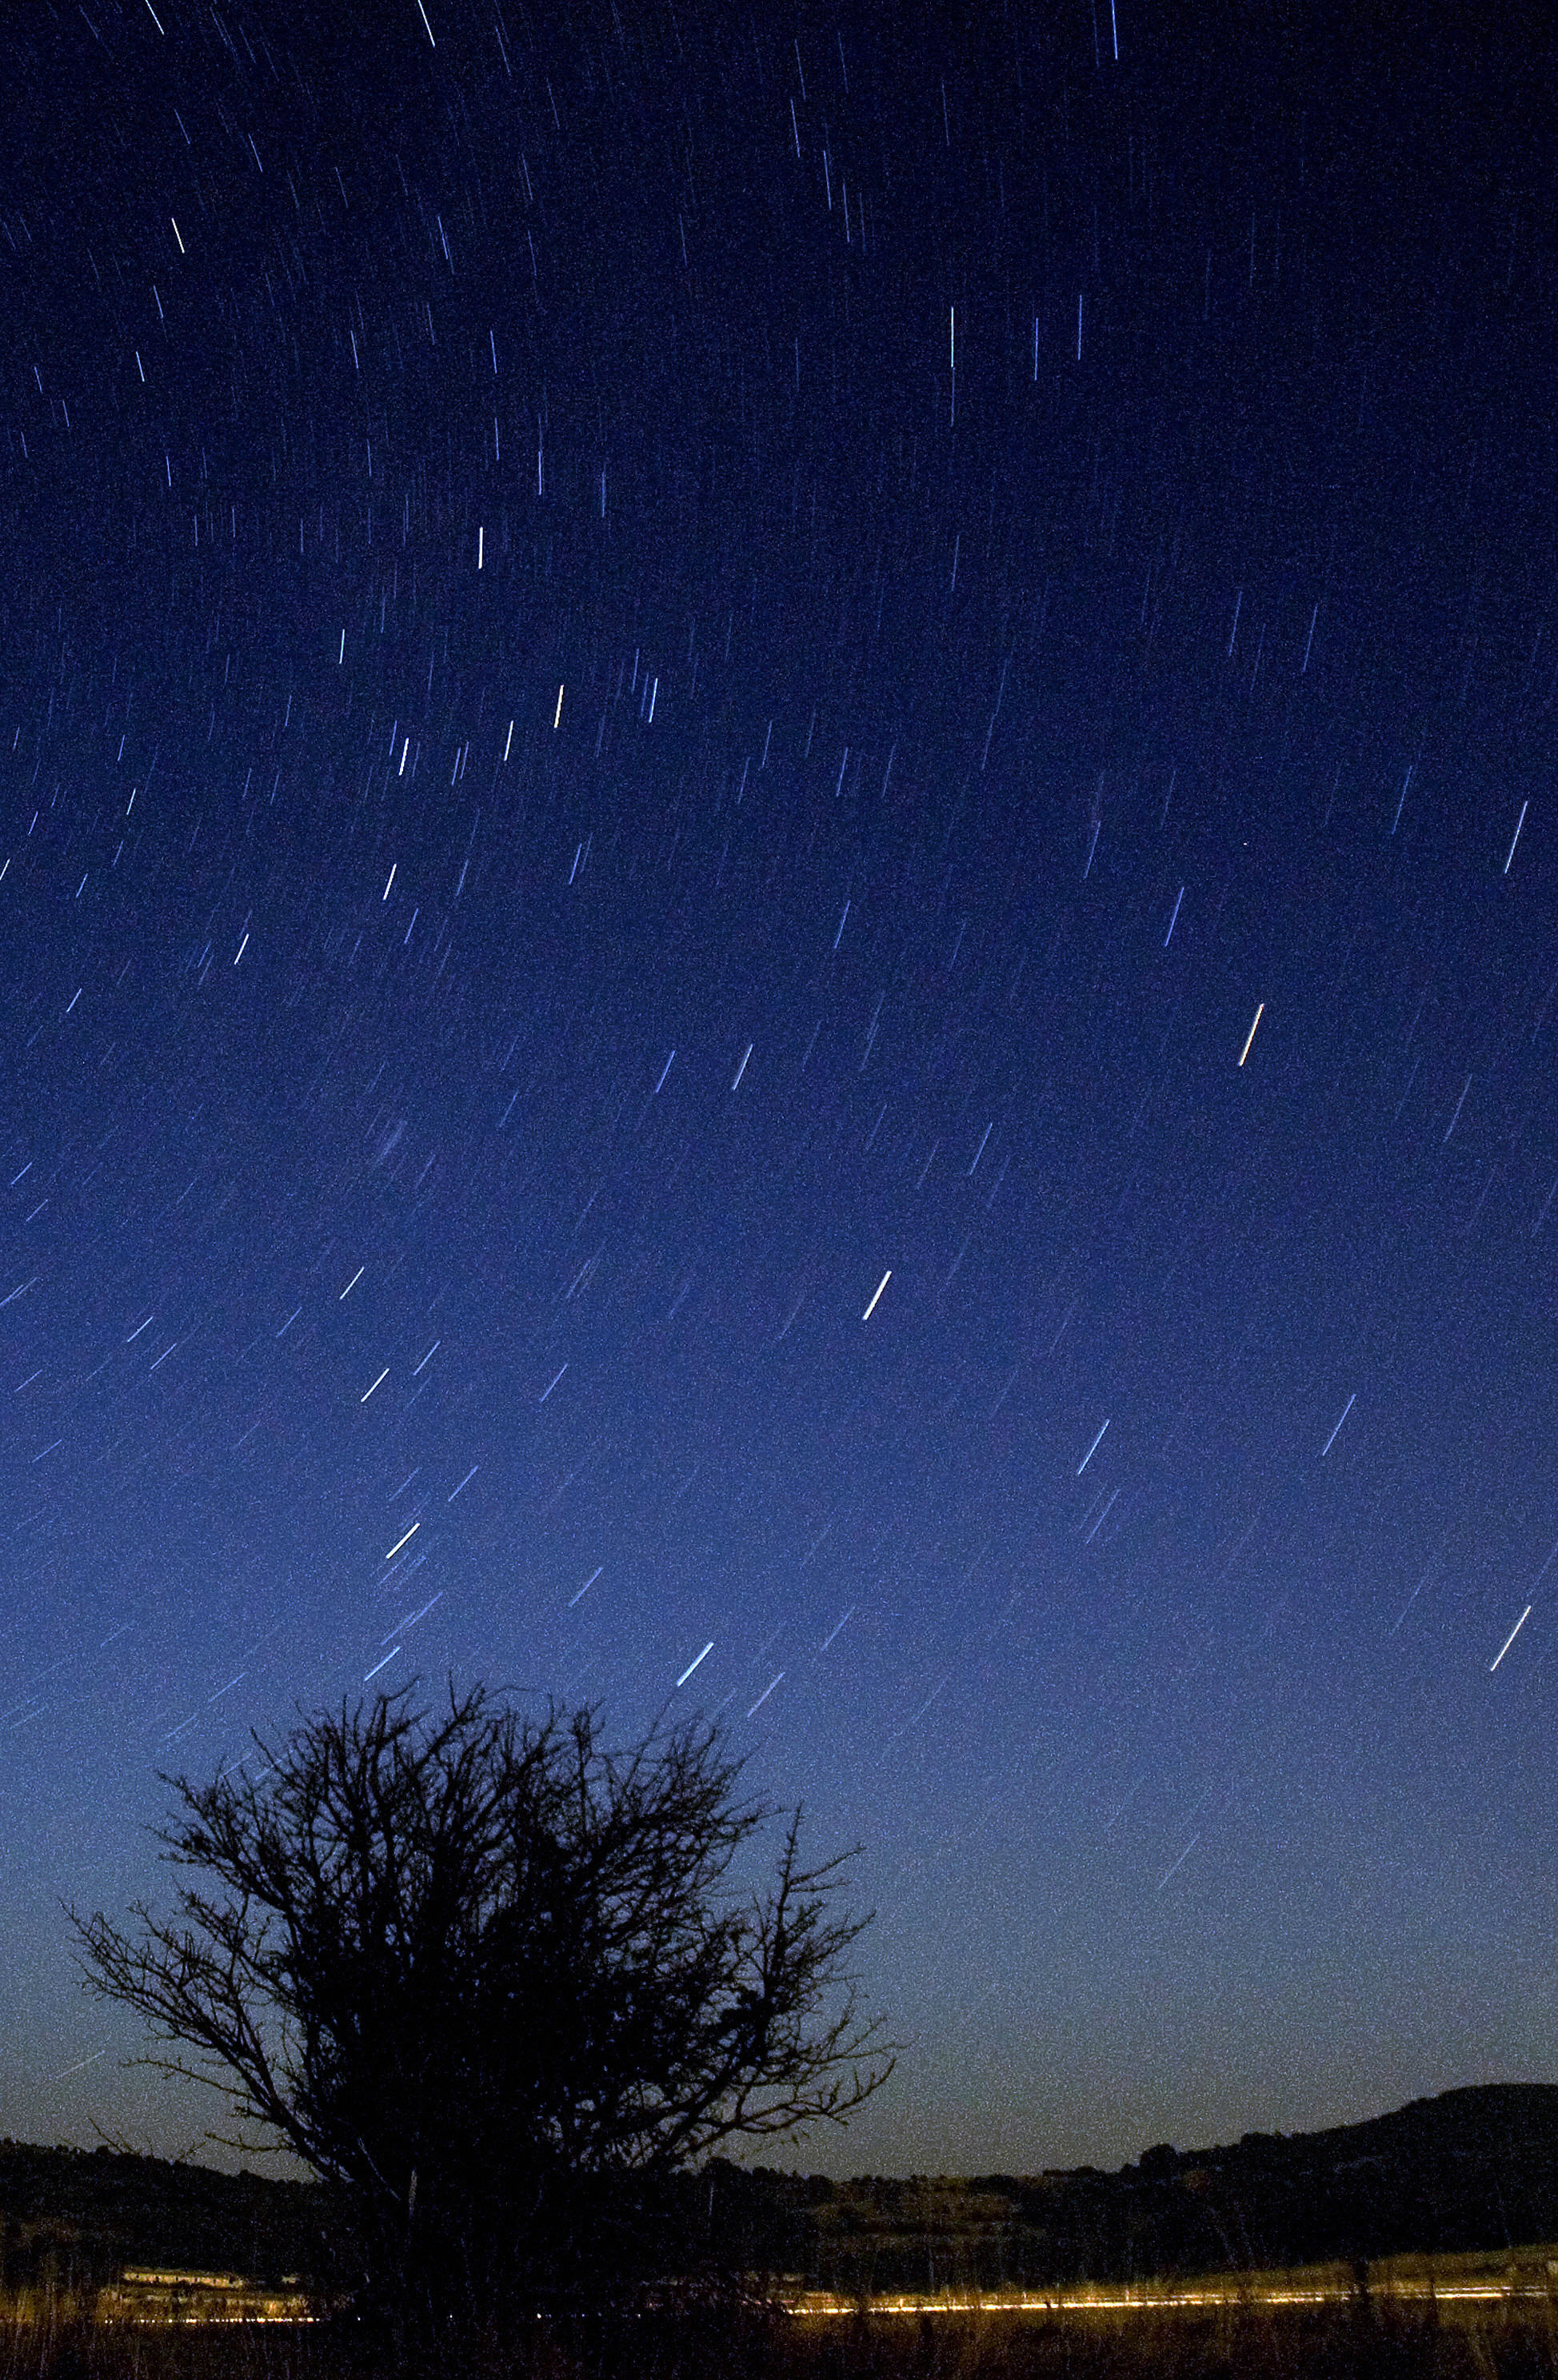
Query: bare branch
[(481, 1972)]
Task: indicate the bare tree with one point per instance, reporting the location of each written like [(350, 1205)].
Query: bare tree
[(495, 1985)]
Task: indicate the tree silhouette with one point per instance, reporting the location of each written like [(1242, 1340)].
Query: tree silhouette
[(496, 1985)]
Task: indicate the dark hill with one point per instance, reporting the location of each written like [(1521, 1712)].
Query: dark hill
[(1472, 2168), (75, 2216)]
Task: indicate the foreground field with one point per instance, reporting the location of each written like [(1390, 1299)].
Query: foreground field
[(1329, 2344), (1453, 2286), (1474, 2317)]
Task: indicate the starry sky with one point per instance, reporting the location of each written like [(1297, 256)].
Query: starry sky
[(779, 931)]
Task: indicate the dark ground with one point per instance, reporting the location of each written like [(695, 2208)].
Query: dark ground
[(1341, 2344), (1475, 2168), (1470, 2170)]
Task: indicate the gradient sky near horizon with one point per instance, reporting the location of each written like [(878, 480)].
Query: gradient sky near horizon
[(779, 935)]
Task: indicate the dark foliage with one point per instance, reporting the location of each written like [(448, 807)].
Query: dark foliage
[(72, 2218), (1472, 2168), (494, 1984)]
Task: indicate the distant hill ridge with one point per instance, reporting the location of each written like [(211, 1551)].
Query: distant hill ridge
[(1462, 2122), (1471, 2169), (72, 2218), (1458, 2117)]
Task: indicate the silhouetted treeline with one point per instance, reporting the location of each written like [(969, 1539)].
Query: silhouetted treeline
[(71, 2218), (1473, 2169)]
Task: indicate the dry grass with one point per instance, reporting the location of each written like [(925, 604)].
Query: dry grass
[(1326, 2343), (54, 2339)]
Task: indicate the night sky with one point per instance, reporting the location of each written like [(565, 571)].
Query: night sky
[(779, 937)]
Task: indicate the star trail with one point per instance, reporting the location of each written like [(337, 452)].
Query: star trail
[(778, 931)]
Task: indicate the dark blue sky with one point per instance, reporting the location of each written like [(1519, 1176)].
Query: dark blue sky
[(659, 666)]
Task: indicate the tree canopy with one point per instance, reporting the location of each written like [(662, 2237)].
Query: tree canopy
[(495, 1983)]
